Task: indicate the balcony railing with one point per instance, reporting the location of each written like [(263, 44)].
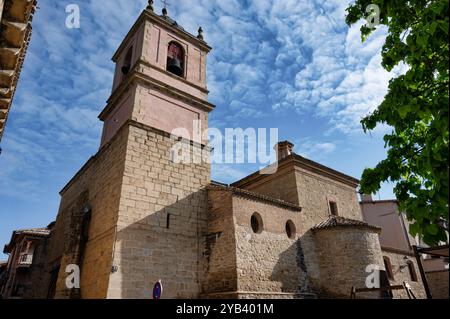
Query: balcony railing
[(25, 260)]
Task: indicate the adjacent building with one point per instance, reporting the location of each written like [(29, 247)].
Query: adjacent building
[(15, 34), (25, 271), (397, 247)]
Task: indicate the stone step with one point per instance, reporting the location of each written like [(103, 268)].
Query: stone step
[(9, 51), (5, 92), (3, 114), (14, 32), (4, 103), (7, 73), (9, 57), (19, 26), (6, 77), (19, 9)]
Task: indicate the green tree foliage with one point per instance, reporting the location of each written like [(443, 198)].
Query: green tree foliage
[(416, 107)]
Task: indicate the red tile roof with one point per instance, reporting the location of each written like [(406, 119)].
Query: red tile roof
[(37, 232), (256, 196), (338, 221), (33, 231)]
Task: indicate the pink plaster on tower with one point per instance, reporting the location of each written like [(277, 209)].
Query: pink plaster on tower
[(145, 91)]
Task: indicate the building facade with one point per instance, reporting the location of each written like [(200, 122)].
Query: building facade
[(144, 208), (25, 271), (397, 247), (15, 34)]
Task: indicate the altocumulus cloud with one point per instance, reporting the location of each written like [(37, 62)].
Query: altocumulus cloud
[(271, 59)]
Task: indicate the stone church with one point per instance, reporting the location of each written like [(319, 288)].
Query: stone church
[(131, 216)]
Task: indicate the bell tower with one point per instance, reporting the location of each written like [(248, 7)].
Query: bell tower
[(160, 78), (159, 86), (148, 213)]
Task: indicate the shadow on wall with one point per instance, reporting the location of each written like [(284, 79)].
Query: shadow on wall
[(167, 245), (342, 255), (282, 272), (330, 262)]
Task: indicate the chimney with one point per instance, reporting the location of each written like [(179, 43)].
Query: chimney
[(283, 149), (366, 198)]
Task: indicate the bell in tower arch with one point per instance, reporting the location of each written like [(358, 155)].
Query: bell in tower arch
[(175, 59), (174, 66)]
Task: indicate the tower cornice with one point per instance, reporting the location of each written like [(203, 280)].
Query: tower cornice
[(138, 77), (147, 64), (147, 15)]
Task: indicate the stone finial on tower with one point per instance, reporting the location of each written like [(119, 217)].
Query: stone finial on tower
[(200, 34), (283, 149), (150, 5), (164, 12)]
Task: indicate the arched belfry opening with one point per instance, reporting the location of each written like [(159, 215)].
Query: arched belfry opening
[(175, 59), (127, 62)]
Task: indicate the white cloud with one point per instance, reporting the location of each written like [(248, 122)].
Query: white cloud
[(313, 149), (288, 58), (227, 173)]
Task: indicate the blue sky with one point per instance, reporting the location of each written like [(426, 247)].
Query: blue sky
[(293, 65)]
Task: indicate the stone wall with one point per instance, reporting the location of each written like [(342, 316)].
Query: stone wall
[(438, 284), (401, 274), (37, 272), (315, 192), (310, 190), (343, 255), (267, 262), (220, 247), (246, 265), (100, 181), (162, 218), (282, 184)]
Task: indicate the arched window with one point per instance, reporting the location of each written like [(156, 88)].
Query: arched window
[(256, 223), (388, 266), (126, 66), (290, 229), (175, 59)]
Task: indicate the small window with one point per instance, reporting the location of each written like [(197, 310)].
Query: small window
[(25, 247), (168, 221), (388, 266), (85, 227), (333, 208), (256, 223), (412, 271), (290, 229)]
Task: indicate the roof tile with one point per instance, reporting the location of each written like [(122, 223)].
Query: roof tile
[(339, 221)]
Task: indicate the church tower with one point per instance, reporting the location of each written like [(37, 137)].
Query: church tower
[(133, 215), (160, 78)]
